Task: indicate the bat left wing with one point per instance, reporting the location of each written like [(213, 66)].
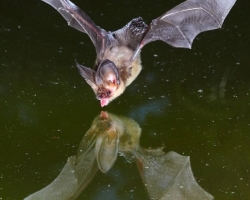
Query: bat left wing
[(72, 180), (79, 20), (179, 26)]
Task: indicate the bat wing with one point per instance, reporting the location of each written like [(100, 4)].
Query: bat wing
[(72, 180), (79, 20), (168, 175), (180, 25)]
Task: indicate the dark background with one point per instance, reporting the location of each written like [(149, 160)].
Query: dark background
[(46, 107)]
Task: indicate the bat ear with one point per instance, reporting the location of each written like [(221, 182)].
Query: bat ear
[(106, 149), (88, 74), (107, 74)]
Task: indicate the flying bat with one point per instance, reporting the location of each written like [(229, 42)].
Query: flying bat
[(118, 60)]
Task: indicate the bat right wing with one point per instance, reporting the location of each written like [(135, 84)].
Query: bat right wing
[(168, 175), (79, 20), (179, 26)]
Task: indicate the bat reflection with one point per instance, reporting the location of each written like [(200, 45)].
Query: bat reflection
[(165, 175)]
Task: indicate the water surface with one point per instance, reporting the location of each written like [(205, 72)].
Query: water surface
[(194, 102)]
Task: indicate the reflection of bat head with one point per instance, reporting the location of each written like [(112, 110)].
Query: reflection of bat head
[(118, 52), (110, 134)]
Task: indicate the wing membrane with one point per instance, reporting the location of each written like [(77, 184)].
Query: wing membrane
[(79, 20)]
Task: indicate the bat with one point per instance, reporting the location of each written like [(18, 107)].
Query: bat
[(165, 175), (118, 61)]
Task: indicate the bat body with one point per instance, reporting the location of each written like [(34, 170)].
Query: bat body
[(118, 60)]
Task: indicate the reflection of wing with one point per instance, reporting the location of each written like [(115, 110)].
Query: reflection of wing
[(79, 20), (72, 180), (168, 175), (85, 169), (87, 144)]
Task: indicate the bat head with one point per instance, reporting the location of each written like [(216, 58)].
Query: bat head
[(105, 81)]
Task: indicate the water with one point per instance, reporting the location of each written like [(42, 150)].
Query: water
[(194, 102)]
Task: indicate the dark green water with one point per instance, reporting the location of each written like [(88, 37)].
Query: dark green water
[(194, 102)]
